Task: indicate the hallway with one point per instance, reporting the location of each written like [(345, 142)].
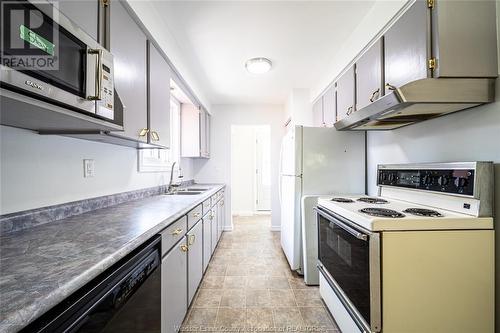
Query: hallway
[(248, 287)]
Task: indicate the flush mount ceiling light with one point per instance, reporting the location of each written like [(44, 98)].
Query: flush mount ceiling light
[(258, 65)]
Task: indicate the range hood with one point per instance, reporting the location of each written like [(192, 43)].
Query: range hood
[(418, 101)]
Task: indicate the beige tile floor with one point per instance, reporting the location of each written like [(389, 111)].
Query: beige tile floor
[(248, 287)]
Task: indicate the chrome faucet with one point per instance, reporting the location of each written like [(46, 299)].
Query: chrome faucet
[(170, 185)]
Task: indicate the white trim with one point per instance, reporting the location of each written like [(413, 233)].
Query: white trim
[(275, 228), (262, 212), (227, 228)]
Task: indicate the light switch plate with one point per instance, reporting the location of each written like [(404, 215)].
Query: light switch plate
[(88, 168)]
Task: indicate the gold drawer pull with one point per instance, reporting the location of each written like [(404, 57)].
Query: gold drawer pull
[(184, 248), (390, 86), (191, 239), (375, 93), (349, 110), (143, 132), (176, 232), (196, 214), (155, 136)]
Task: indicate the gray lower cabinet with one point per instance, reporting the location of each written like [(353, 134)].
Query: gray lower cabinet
[(215, 228), (329, 107), (195, 259), (207, 241), (159, 98), (128, 46), (220, 217), (346, 94), (317, 113), (85, 13), (369, 85), (174, 287), (407, 46)]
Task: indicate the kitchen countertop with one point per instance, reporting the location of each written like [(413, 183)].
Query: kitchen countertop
[(41, 266)]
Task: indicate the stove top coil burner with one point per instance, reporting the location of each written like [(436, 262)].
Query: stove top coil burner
[(373, 200), (423, 212), (345, 200), (382, 212)]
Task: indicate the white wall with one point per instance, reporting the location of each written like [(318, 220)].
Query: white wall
[(242, 170), (218, 167), (37, 170)]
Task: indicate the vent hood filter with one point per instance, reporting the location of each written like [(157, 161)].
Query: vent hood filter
[(418, 101)]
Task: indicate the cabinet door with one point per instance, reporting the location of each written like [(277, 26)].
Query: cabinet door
[(220, 216), (317, 110), (195, 259), (128, 46), (369, 85), (329, 107), (207, 241), (203, 135), (215, 227), (345, 94), (159, 98), (208, 123), (174, 287), (85, 13), (407, 46)]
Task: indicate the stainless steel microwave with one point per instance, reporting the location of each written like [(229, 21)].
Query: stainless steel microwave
[(47, 56)]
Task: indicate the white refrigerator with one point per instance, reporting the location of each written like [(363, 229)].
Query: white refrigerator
[(316, 161)]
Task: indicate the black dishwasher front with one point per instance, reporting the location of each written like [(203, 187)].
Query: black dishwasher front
[(125, 299)]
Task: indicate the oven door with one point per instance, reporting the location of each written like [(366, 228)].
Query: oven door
[(45, 55), (349, 257)]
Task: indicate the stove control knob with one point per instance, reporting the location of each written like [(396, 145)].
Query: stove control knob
[(391, 177), (461, 182), (443, 180), (427, 180)]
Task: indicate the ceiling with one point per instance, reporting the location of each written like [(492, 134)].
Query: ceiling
[(300, 37)]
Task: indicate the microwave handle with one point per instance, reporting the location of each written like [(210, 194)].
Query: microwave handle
[(345, 227), (98, 72)]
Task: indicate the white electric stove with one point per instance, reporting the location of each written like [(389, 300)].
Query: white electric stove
[(418, 257)]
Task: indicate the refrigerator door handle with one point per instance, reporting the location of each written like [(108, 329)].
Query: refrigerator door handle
[(281, 171)]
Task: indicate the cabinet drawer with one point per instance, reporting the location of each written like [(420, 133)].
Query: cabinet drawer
[(194, 216), (172, 234), (206, 205), (214, 198)]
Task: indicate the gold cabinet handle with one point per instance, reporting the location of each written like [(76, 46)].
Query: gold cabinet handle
[(349, 110), (390, 86), (155, 136), (375, 93), (143, 132), (196, 214), (184, 248), (191, 239), (176, 232)]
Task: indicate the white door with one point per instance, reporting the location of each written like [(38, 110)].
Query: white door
[(262, 174), (291, 187)]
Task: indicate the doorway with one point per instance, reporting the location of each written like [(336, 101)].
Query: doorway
[(250, 170)]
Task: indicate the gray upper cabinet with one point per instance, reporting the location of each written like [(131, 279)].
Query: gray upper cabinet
[(174, 287), (329, 107), (345, 94), (159, 98), (85, 13), (369, 85), (407, 46), (317, 111), (464, 39), (128, 46)]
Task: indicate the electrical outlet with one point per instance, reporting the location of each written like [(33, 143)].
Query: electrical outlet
[(88, 168)]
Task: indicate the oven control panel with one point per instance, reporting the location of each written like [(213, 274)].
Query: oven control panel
[(454, 181)]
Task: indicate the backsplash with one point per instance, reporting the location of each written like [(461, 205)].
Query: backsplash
[(33, 217)]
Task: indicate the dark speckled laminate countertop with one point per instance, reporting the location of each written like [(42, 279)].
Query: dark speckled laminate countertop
[(41, 266)]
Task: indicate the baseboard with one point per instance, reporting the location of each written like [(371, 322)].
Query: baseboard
[(275, 228), (227, 228), (244, 213), (262, 212)]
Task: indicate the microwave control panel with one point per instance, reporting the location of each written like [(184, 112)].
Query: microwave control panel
[(106, 103)]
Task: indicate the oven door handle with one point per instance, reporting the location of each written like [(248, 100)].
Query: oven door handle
[(345, 227)]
